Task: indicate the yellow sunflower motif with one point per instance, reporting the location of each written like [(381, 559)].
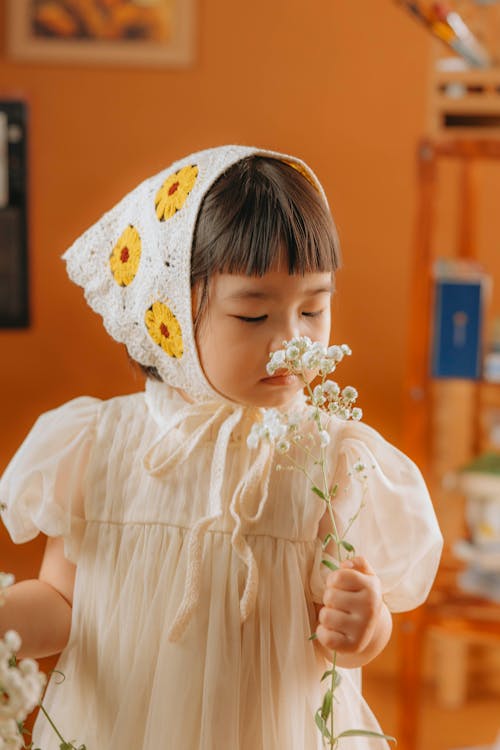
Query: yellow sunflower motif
[(172, 195), (126, 256), (164, 329)]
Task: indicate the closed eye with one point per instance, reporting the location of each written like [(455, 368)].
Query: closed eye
[(245, 319), (313, 314)]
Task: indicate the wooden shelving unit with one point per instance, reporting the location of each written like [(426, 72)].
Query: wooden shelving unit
[(466, 103), (443, 428)]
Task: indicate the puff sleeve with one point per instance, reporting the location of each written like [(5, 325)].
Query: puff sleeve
[(396, 529), (42, 488)]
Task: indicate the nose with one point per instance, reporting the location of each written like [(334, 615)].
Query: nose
[(284, 331)]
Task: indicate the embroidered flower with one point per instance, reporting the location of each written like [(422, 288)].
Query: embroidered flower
[(164, 329), (125, 258), (172, 195)]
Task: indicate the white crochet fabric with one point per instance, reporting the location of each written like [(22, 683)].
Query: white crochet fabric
[(163, 272)]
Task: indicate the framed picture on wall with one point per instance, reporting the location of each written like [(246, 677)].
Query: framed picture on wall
[(115, 32)]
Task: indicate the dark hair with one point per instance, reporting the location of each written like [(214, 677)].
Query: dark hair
[(254, 210)]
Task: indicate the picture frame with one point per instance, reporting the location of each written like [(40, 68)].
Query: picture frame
[(100, 32)]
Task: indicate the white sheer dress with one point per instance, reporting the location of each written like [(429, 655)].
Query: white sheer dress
[(124, 482)]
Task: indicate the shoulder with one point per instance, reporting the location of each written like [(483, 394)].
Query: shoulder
[(86, 414), (359, 442)]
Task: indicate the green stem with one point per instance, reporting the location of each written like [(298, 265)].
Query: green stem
[(299, 467), (332, 688), (42, 709)]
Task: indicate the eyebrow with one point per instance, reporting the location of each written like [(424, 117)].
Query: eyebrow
[(243, 294)]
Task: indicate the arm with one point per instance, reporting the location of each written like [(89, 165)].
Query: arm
[(354, 620), (40, 609)]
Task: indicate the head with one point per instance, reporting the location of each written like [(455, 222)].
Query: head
[(209, 265), (263, 259)]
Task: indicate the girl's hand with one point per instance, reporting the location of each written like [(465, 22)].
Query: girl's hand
[(354, 620)]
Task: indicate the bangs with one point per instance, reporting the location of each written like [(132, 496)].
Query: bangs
[(258, 209)]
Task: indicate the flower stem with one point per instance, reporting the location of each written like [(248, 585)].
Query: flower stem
[(42, 709)]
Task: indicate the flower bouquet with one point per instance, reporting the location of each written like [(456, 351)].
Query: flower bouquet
[(305, 358)]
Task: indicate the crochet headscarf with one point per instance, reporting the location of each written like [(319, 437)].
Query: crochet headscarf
[(134, 266)]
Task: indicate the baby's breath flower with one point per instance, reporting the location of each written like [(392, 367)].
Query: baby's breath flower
[(276, 362), (10, 736), (324, 438), (12, 640), (326, 366), (318, 396), (343, 413), (292, 353), (331, 389), (349, 393), (21, 684), (346, 349), (357, 414), (335, 353), (6, 579), (283, 446), (310, 360)]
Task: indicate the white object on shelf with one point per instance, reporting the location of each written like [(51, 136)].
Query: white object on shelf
[(488, 560), (482, 491)]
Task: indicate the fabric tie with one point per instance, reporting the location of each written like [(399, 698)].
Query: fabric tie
[(223, 418)]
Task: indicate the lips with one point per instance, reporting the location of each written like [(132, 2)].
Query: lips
[(280, 377)]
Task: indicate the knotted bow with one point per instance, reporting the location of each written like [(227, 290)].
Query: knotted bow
[(223, 418)]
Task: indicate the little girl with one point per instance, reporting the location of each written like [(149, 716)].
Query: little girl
[(182, 576)]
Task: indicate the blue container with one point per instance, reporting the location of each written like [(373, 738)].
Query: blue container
[(458, 318)]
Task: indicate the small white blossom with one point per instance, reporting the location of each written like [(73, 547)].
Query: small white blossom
[(276, 362), (346, 349), (10, 737), (324, 438), (343, 413), (349, 393), (326, 366), (310, 360), (21, 685), (292, 353), (357, 414), (318, 396), (283, 446), (331, 389), (6, 580), (335, 353), (12, 640)]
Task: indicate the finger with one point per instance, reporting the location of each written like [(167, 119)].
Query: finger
[(361, 564), (332, 619), (334, 640), (346, 580), (345, 601)]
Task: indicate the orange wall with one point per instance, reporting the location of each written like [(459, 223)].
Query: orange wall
[(341, 84)]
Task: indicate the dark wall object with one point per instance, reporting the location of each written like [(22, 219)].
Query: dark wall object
[(14, 302)]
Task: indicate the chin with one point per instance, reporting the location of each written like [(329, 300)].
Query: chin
[(278, 399)]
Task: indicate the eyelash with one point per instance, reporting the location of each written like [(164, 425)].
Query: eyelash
[(261, 318)]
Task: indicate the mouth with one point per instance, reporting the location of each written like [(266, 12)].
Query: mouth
[(280, 377)]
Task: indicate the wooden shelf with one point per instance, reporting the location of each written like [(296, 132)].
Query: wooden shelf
[(443, 429)]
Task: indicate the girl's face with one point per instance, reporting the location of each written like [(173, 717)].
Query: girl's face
[(248, 317)]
